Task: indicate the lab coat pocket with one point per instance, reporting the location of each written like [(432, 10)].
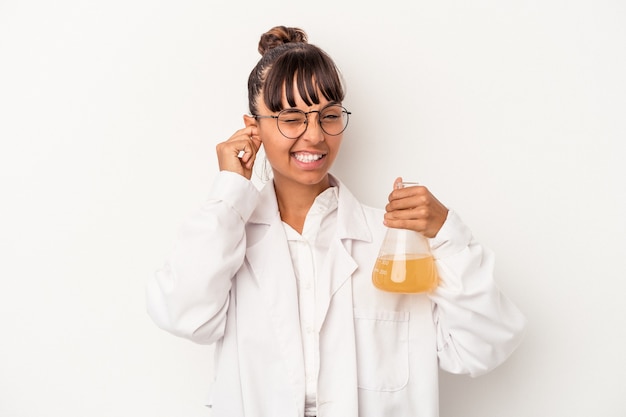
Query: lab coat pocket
[(382, 339)]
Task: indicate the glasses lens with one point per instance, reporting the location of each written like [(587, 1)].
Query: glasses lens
[(291, 123), (334, 119)]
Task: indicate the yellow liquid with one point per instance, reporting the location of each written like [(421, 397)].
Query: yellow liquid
[(405, 274)]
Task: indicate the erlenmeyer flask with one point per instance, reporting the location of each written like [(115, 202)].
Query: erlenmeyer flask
[(405, 263)]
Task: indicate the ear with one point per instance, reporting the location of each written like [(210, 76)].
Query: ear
[(249, 121)]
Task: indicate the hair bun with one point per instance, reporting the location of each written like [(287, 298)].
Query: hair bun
[(280, 35)]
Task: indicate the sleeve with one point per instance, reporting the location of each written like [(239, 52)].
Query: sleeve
[(189, 295), (478, 328)]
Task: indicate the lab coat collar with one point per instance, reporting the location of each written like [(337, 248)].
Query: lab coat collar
[(351, 223)]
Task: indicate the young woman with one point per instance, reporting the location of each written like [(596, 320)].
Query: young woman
[(280, 279)]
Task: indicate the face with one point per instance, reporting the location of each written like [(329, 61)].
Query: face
[(302, 161)]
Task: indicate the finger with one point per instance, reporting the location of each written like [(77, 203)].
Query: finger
[(248, 158), (228, 152), (234, 148), (249, 134), (249, 152), (243, 142), (396, 184), (408, 190), (408, 202), (244, 151), (413, 190), (418, 225), (254, 136), (413, 213)]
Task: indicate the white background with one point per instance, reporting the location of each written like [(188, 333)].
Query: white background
[(513, 113)]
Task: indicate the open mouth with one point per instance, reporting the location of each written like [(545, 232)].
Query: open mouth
[(307, 158)]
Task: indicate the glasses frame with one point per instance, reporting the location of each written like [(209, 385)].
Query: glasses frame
[(306, 118)]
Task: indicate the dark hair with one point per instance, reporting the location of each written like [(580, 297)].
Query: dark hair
[(287, 56)]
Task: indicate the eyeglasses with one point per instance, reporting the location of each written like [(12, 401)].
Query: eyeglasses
[(292, 123)]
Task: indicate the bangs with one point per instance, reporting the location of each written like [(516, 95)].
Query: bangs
[(312, 70)]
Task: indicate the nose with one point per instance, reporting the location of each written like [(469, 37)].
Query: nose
[(313, 132)]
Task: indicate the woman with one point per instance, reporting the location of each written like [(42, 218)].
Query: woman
[(280, 279)]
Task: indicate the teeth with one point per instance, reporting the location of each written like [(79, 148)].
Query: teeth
[(307, 157)]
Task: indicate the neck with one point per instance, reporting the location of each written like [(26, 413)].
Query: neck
[(295, 200)]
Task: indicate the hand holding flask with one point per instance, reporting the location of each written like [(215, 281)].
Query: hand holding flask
[(405, 263)]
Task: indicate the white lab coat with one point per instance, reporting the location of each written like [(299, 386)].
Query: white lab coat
[(230, 281)]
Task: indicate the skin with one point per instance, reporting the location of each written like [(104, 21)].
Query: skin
[(415, 208), (298, 183)]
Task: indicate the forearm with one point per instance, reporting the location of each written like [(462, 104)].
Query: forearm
[(478, 327)]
